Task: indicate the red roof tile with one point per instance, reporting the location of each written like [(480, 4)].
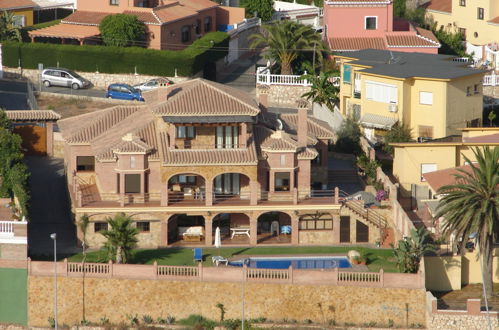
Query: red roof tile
[(72, 31), (85, 17), (439, 5), (428, 34), (492, 138), (22, 115), (438, 179), (344, 44), (409, 41), (144, 16), (12, 4), (495, 20)]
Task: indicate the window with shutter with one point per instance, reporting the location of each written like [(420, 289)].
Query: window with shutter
[(426, 98)]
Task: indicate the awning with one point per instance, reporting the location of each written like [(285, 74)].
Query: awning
[(207, 119), (70, 31), (52, 4), (376, 121)]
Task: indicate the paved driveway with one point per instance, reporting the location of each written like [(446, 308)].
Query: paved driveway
[(93, 92), (49, 208), (13, 95)]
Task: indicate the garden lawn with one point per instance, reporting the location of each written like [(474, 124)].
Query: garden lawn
[(377, 258)]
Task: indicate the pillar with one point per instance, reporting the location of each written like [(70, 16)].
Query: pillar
[(172, 134), (164, 194), (336, 228), (253, 231), (244, 135), (143, 184), (294, 230), (164, 232), (353, 230), (208, 230), (271, 181), (209, 192), (49, 127), (254, 187), (291, 180)]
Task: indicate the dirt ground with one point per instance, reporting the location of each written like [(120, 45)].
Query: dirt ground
[(70, 107), (457, 299)]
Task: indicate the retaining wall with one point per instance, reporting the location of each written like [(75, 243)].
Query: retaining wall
[(284, 95)]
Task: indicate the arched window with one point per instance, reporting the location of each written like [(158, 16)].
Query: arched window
[(186, 33)]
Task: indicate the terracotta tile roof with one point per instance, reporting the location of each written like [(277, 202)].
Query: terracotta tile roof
[(428, 34), (345, 44), (172, 13), (395, 40), (198, 4), (308, 153), (439, 5), (147, 17), (438, 179), (131, 143), (269, 140), (491, 138), (71, 31), (203, 97), (184, 157), (85, 17), (14, 4), (317, 129), (42, 115), (358, 1), (495, 20)]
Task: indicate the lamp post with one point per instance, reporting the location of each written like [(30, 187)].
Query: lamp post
[(53, 236)]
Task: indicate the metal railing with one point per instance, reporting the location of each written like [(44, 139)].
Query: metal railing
[(215, 146), (31, 99)]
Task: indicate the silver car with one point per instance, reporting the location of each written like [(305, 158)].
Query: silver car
[(63, 77), (153, 84)]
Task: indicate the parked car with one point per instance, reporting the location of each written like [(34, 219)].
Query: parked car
[(124, 92), (63, 77), (153, 83)]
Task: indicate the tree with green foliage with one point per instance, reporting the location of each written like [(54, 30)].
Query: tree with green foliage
[(322, 91), (4, 120), (399, 8), (263, 8), (452, 42), (411, 249), (471, 206), (8, 31), (122, 30), (121, 237), (348, 137), (399, 132), (491, 117), (285, 40)]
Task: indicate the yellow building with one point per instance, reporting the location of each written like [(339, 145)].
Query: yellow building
[(413, 160), (432, 94), (22, 10), (477, 20)]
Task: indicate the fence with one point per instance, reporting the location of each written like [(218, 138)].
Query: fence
[(264, 77), (14, 232), (31, 99), (246, 24), (491, 80), (228, 274)]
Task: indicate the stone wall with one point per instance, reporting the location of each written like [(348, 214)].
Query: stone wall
[(13, 251), (58, 151), (458, 322), (115, 298), (99, 80), (284, 95)]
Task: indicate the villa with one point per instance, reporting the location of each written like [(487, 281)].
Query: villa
[(432, 94), (204, 156), (22, 11), (360, 24), (170, 24)]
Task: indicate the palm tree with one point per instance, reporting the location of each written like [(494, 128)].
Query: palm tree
[(471, 205), (8, 31), (411, 249), (121, 237), (285, 40), (323, 91)]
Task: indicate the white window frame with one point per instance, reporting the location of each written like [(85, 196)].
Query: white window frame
[(365, 22), (423, 171), (426, 98), (16, 17), (392, 99)]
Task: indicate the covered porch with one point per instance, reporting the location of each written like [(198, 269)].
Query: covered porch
[(67, 34)]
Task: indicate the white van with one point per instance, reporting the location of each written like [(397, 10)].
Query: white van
[(63, 77)]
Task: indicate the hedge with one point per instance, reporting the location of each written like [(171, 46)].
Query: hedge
[(212, 47)]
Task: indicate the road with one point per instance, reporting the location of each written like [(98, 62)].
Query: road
[(13, 95), (92, 92), (243, 75)]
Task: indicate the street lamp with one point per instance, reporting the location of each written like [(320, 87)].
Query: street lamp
[(53, 236)]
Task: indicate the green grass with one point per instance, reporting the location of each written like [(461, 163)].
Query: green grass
[(377, 258), (13, 296)]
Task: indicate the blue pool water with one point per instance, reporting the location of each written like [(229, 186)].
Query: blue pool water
[(296, 262)]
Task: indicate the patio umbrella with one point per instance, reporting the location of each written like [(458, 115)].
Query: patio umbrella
[(218, 239)]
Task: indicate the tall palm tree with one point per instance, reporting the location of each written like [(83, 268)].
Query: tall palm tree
[(471, 205), (121, 237), (285, 40), (323, 91)]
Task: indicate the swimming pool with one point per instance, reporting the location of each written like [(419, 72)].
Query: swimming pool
[(316, 262)]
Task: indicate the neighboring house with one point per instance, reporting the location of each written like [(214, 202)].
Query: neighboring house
[(478, 21), (432, 94), (170, 24), (21, 9), (207, 156), (304, 14), (414, 161), (351, 25)]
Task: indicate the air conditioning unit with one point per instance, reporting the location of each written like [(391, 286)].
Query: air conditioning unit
[(393, 108)]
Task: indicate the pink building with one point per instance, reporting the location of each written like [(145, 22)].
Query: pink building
[(351, 25), (171, 24), (205, 155)]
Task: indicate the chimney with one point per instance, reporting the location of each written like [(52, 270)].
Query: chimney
[(263, 97), (302, 123)]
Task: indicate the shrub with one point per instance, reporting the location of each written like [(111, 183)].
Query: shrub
[(348, 137), (122, 30), (133, 319), (198, 322), (167, 320), (109, 59), (234, 324), (147, 319)]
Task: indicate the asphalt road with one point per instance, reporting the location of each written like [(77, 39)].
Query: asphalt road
[(13, 95), (93, 92)]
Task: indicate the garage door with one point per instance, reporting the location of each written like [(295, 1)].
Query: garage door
[(34, 138)]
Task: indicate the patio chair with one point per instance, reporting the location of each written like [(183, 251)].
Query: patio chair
[(198, 254), (217, 260)]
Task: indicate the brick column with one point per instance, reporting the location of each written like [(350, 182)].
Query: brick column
[(271, 181), (353, 230), (50, 138), (172, 133), (164, 194), (253, 231), (164, 232), (294, 230), (254, 187), (122, 189), (209, 191), (336, 228), (244, 135), (208, 230)]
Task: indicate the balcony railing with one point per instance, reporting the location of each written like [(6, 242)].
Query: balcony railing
[(491, 80), (210, 146), (264, 77)]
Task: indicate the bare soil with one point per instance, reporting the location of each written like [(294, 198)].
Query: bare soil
[(70, 107), (457, 299)]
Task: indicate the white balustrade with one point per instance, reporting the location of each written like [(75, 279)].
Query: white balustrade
[(6, 228), (491, 80)]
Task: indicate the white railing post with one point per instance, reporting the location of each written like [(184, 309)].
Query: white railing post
[(305, 80), (268, 76)]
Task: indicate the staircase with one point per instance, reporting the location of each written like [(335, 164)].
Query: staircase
[(88, 189)]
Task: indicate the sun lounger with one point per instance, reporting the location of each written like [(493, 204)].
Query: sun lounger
[(217, 260)]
